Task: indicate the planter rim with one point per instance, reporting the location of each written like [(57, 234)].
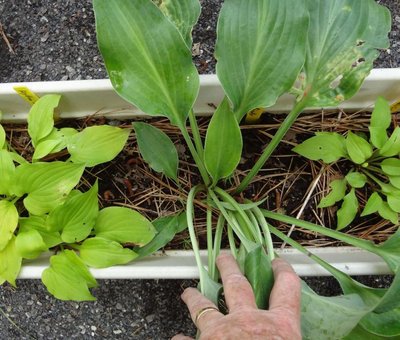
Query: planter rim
[(180, 264)]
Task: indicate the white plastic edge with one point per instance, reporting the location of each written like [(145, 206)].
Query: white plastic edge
[(82, 98), (182, 265)]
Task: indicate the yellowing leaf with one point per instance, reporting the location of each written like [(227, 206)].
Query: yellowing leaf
[(8, 222), (68, 278), (2, 137), (124, 225), (40, 117), (47, 184), (10, 263), (98, 252), (30, 244), (76, 217), (7, 171), (97, 144)]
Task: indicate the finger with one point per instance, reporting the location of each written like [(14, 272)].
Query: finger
[(238, 291), (181, 337), (196, 303), (287, 287)]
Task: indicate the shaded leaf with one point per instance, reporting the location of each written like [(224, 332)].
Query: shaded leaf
[(97, 144), (7, 171), (326, 146), (133, 37), (348, 210), (322, 315), (124, 225), (50, 238), (40, 117), (223, 146), (337, 193), (380, 122), (383, 324), (8, 222), (45, 147), (157, 149), (184, 15), (211, 289), (167, 228), (358, 148), (68, 278), (47, 184), (258, 270), (98, 252), (356, 179), (387, 213), (75, 219), (260, 59), (344, 39), (373, 204), (30, 244), (389, 251)]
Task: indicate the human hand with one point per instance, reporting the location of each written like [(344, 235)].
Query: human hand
[(245, 320)]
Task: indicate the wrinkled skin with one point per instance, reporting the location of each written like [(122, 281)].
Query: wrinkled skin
[(245, 321)]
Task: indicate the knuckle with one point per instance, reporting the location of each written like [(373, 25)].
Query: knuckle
[(235, 279)]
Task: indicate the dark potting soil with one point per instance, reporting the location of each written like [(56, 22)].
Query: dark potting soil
[(55, 40)]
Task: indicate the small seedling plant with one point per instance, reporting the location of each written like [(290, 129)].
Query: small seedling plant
[(42, 209), (375, 164)]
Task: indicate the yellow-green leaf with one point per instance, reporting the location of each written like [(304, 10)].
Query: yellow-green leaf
[(97, 144), (2, 137), (30, 244), (392, 146), (124, 225), (373, 204), (99, 252), (40, 117), (8, 222), (358, 148), (7, 171), (10, 263), (380, 122), (348, 210), (337, 193)]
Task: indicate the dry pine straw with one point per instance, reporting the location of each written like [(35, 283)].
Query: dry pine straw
[(291, 184)]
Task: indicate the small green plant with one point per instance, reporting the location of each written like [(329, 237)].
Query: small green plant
[(318, 50), (40, 210), (375, 161)]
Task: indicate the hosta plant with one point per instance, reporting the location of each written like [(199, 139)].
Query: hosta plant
[(320, 51), (42, 209), (375, 164)]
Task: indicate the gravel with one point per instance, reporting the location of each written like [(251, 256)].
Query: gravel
[(55, 40)]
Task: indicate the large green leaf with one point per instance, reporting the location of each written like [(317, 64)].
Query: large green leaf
[(383, 324), (389, 251), (157, 149), (7, 171), (332, 317), (348, 210), (30, 244), (147, 60), (10, 263), (326, 146), (184, 14), (258, 270), (260, 50), (97, 144), (8, 222), (50, 238), (68, 278), (358, 148), (40, 117), (223, 147), (124, 225), (47, 184), (343, 41), (76, 217)]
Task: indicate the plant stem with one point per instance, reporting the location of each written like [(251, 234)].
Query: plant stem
[(196, 134), (192, 233), (246, 243), (367, 245), (210, 255), (217, 247), (199, 162), (265, 227), (232, 243), (285, 126)]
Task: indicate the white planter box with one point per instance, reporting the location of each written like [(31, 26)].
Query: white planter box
[(88, 97)]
